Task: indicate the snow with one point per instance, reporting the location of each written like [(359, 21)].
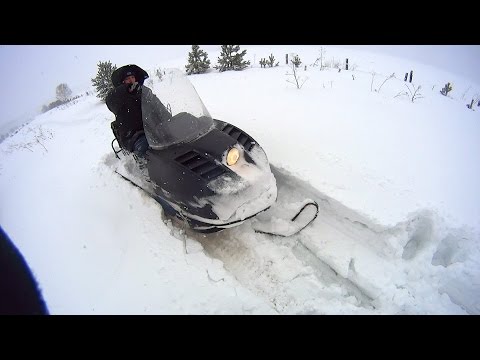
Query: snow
[(396, 182)]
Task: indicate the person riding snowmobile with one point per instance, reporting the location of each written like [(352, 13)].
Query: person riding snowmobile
[(206, 172), (125, 101)]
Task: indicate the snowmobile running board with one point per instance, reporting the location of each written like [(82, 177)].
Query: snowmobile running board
[(134, 184)]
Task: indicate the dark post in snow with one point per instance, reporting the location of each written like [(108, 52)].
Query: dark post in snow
[(411, 75), (346, 64), (471, 104), (305, 68), (406, 76), (286, 58)]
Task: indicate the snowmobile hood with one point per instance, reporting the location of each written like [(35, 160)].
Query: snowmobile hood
[(122, 72)]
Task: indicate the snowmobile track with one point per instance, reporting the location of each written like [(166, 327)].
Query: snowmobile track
[(276, 268)]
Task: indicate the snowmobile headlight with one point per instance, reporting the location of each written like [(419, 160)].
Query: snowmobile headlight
[(232, 156)]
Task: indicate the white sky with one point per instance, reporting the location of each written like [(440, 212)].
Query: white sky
[(406, 171), (459, 59), (42, 67)]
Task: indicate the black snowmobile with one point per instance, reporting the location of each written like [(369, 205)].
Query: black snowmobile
[(204, 171)]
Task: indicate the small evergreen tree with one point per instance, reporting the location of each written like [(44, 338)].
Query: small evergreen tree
[(63, 92), (197, 61), (231, 59), (296, 61), (446, 89), (271, 61), (103, 80)]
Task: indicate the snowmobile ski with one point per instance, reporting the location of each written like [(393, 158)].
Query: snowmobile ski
[(272, 222)]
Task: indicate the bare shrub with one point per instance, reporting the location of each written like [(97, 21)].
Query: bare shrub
[(413, 94), (39, 136), (299, 81)]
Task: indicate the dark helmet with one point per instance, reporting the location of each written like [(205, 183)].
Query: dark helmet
[(122, 72)]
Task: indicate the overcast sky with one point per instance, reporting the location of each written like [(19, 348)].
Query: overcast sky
[(460, 59), (38, 69)]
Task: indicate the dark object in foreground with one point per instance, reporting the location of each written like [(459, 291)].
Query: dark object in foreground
[(19, 292)]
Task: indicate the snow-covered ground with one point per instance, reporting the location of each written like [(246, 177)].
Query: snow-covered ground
[(396, 181)]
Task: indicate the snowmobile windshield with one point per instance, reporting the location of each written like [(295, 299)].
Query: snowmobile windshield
[(173, 113)]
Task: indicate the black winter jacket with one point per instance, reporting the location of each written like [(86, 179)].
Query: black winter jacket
[(127, 108)]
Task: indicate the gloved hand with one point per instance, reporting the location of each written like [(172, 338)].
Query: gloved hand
[(135, 87)]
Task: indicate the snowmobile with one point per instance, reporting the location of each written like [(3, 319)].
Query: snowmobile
[(204, 171)]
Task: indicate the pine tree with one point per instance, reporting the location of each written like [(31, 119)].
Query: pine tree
[(103, 81), (197, 61), (446, 89), (296, 61), (231, 59), (63, 92), (271, 61)]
